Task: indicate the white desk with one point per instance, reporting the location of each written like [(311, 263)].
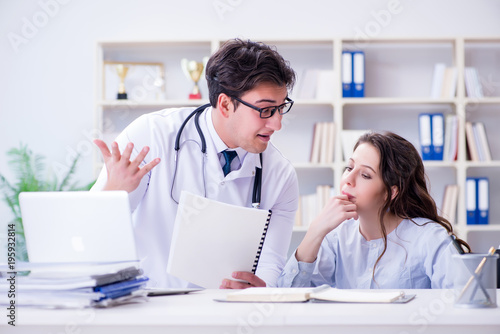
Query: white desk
[(431, 311)]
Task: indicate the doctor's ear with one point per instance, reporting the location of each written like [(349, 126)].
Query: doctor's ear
[(225, 105)]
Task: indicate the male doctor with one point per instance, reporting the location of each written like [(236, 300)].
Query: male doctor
[(248, 86)]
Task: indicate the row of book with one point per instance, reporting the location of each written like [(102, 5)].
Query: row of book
[(310, 205), (439, 138), (323, 144), (315, 84), (473, 85), (73, 285), (477, 142), (444, 81), (353, 73), (319, 84)]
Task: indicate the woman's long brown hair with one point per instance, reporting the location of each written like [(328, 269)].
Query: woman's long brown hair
[(401, 166)]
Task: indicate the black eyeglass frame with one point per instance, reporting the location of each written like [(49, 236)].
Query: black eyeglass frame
[(274, 108)]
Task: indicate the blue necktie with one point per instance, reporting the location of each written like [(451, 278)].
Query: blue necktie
[(229, 156)]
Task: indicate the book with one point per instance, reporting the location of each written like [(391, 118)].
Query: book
[(450, 200), (450, 150), (483, 146), (449, 86), (358, 74), (322, 293), (471, 200), (472, 83), (316, 142), (212, 239), (437, 80), (477, 200), (347, 80), (471, 141), (483, 200)]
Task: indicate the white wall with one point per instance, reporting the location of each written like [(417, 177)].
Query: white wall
[(47, 50)]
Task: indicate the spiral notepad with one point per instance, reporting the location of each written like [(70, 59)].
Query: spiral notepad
[(261, 243), (213, 239)]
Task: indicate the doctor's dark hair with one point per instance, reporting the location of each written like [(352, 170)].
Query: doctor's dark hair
[(239, 66), (401, 166)]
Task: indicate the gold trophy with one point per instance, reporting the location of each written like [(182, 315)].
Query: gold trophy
[(122, 73), (193, 70)]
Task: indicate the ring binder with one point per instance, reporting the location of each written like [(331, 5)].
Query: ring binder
[(261, 244)]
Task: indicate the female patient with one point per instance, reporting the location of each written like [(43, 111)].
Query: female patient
[(383, 231)]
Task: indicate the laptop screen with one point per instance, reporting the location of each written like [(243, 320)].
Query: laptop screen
[(78, 226)]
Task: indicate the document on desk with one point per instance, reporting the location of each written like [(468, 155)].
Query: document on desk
[(322, 293), (212, 239)]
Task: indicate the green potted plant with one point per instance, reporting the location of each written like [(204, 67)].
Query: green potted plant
[(31, 175)]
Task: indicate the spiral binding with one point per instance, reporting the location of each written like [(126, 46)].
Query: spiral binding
[(261, 243)]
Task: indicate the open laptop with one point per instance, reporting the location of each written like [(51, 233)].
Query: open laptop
[(78, 226)]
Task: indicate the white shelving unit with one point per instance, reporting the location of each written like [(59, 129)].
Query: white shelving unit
[(397, 88)]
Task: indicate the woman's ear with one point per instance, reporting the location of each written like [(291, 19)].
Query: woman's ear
[(224, 105), (395, 191)]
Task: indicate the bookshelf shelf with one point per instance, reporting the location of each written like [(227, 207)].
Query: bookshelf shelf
[(309, 165), (398, 79), (396, 101), (484, 100), (159, 104)]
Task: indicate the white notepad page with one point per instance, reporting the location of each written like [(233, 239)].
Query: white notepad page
[(212, 239)]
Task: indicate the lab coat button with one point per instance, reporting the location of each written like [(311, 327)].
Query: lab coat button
[(222, 183)]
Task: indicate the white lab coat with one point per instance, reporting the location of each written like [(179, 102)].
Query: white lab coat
[(154, 210)]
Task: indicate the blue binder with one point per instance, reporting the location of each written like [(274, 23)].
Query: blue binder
[(437, 136), (431, 132), (483, 200), (347, 88), (123, 288), (358, 73), (471, 200), (425, 134)]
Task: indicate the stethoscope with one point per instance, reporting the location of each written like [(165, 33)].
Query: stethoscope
[(257, 185)]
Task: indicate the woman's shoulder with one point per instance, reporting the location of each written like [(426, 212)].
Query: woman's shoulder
[(424, 229)]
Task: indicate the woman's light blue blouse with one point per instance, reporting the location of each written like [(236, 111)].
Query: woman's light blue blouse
[(418, 256)]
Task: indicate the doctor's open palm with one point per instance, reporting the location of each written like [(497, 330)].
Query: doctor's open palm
[(123, 173)]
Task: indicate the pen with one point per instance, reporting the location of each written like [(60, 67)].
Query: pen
[(456, 244)]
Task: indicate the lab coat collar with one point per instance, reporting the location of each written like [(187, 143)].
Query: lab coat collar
[(248, 160)]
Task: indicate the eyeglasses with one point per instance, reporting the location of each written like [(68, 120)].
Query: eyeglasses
[(268, 112)]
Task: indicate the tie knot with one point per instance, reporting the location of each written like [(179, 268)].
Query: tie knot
[(229, 156)]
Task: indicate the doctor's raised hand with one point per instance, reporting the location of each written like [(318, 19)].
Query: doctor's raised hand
[(123, 173)]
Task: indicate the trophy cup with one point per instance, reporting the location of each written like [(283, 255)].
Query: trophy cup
[(193, 70), (122, 73)]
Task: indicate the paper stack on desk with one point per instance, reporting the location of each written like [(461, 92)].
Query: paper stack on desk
[(64, 285)]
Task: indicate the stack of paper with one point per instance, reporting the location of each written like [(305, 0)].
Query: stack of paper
[(64, 285)]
